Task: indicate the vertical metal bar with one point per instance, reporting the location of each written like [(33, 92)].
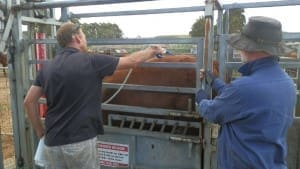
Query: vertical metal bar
[(132, 152), (211, 43), (208, 39), (142, 124), (220, 23), (64, 14), (6, 32), (132, 123), (186, 129), (14, 102), (229, 70), (163, 127), (222, 56), (222, 46), (31, 48), (152, 125), (31, 137), (24, 154), (122, 123), (207, 146), (189, 108), (174, 128), (207, 59), (190, 149), (207, 35), (53, 34), (199, 65), (109, 120), (229, 51), (226, 25), (201, 131)]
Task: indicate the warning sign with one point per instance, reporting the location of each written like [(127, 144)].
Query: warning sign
[(113, 155)]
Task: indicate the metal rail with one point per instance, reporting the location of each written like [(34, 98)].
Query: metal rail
[(291, 36), (295, 64), (261, 4), (186, 9), (149, 111), (132, 41), (164, 89), (26, 19), (60, 4), (139, 12), (147, 64)]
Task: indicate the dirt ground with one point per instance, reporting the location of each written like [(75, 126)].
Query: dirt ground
[(6, 121), (7, 146)]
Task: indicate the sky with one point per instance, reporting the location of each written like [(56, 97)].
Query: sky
[(177, 23)]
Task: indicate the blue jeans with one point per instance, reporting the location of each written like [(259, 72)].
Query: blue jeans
[(80, 155)]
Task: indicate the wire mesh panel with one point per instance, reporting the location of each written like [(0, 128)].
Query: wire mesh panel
[(6, 125)]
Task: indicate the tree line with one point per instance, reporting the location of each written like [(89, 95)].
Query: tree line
[(236, 22), (109, 30)]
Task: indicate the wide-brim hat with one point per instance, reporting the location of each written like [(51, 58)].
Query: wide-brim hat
[(260, 34)]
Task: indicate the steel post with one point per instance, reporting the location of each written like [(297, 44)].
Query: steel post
[(22, 145)]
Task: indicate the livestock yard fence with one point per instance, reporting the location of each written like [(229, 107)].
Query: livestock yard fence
[(153, 138)]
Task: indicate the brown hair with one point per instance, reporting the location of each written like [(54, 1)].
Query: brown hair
[(65, 32)]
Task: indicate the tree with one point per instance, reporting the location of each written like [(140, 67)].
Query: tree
[(198, 28), (236, 22), (101, 30)]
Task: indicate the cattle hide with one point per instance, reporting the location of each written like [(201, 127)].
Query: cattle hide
[(3, 61), (172, 77)]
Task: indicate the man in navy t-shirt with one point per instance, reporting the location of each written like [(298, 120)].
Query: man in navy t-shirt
[(72, 84)]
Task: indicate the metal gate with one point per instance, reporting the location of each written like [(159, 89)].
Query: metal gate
[(153, 142)]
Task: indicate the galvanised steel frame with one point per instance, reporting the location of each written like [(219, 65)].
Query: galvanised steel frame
[(20, 51)]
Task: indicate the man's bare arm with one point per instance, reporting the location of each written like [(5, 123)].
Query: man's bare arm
[(30, 103), (138, 57)]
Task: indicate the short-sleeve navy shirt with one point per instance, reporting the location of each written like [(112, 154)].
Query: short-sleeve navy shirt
[(72, 84)]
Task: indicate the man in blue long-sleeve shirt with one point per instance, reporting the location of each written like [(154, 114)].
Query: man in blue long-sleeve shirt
[(254, 111)]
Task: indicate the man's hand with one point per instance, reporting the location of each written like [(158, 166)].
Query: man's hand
[(156, 50), (138, 57), (207, 75), (201, 94)]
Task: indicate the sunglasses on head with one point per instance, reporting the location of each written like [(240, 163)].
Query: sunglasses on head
[(75, 28)]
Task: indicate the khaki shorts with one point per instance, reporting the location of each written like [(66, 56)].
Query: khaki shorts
[(81, 155)]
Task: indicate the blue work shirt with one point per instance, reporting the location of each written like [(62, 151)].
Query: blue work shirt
[(254, 112)]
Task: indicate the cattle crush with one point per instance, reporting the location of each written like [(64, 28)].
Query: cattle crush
[(151, 122)]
